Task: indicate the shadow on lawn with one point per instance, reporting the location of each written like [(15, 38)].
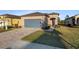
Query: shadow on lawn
[(50, 38)]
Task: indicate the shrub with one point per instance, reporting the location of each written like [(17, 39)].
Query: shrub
[(47, 27), (69, 25), (10, 26)]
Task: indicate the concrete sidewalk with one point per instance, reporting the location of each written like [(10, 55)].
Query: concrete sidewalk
[(28, 45)]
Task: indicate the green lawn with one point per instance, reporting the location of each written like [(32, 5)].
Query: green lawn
[(62, 37), (70, 35), (46, 38)]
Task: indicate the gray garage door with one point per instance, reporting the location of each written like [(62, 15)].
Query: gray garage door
[(35, 23)]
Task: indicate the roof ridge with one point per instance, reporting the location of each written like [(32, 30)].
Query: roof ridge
[(39, 13), (8, 14)]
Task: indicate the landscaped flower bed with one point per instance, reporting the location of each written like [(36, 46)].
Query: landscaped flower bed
[(2, 30)]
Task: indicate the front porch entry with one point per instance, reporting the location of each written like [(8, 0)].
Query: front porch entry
[(53, 21)]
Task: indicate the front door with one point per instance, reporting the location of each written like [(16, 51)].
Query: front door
[(53, 21)]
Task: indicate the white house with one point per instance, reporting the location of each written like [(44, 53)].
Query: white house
[(74, 20)]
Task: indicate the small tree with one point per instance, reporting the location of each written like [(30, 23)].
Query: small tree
[(58, 20), (65, 20), (62, 22), (67, 16)]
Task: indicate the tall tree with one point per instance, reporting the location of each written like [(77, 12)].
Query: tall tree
[(67, 16)]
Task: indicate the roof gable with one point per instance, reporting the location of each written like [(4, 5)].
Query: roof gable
[(53, 13), (35, 14), (39, 14)]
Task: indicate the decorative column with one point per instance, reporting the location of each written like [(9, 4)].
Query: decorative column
[(5, 23)]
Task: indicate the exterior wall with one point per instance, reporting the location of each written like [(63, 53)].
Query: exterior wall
[(53, 16), (20, 22), (5, 19), (15, 21), (66, 22), (11, 21), (32, 17), (76, 19), (49, 22), (43, 19), (69, 21)]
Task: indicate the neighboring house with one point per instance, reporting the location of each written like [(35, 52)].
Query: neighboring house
[(12, 20), (3, 23), (38, 19), (74, 20)]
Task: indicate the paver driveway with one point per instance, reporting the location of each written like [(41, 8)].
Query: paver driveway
[(12, 40), (8, 38)]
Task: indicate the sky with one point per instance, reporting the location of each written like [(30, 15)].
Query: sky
[(62, 13)]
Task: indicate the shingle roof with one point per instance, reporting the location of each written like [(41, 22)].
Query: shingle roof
[(10, 16), (74, 16), (35, 14), (39, 14), (53, 13)]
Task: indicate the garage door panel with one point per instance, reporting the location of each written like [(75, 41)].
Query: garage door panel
[(32, 22)]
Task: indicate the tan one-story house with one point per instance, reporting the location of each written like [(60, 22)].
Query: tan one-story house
[(37, 19), (32, 20), (73, 20), (10, 20)]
